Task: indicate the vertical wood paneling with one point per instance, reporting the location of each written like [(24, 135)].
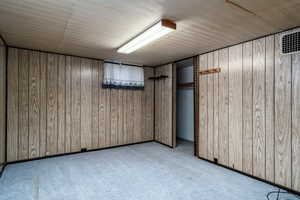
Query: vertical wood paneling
[(76, 102), (296, 122), (114, 117), (126, 117), (216, 106), (235, 107), (102, 115), (107, 107), (247, 108), (282, 117), (223, 107), (270, 168), (95, 104), (120, 117), (130, 117), (157, 104), (174, 112), (34, 104), (203, 108), (2, 104), (168, 105), (143, 116), (43, 104), (61, 104), (23, 104), (52, 126), (68, 126), (58, 105), (149, 103), (164, 105), (210, 109), (162, 110), (259, 68), (258, 92), (12, 105), (86, 104), (137, 116), (102, 108)]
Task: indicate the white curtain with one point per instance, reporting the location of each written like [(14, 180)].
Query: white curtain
[(123, 76)]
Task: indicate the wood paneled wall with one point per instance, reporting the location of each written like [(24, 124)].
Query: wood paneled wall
[(2, 103), (56, 105), (249, 113), (165, 105)]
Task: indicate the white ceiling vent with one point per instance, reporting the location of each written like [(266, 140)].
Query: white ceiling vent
[(290, 42)]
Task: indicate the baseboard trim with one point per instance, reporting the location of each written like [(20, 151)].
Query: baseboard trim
[(77, 152), (254, 177), (2, 171), (178, 138), (163, 144)]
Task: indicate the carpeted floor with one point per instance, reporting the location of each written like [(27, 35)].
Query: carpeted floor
[(148, 171)]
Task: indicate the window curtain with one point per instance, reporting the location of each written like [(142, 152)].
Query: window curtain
[(123, 76)]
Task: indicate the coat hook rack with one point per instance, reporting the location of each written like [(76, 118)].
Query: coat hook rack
[(209, 71), (158, 77)]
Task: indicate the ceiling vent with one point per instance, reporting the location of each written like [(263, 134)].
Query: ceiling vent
[(290, 42)]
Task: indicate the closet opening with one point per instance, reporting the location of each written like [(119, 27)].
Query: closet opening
[(185, 106)]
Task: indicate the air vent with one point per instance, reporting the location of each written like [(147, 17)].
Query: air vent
[(290, 42)]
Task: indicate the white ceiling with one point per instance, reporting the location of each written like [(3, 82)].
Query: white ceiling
[(96, 28)]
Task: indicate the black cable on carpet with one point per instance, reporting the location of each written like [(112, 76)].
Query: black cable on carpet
[(281, 192)]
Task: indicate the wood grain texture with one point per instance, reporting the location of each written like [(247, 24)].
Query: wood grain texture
[(203, 108), (52, 126), (86, 104), (258, 108), (12, 105), (216, 106), (68, 108), (114, 117), (2, 105), (174, 97), (102, 108), (270, 167), (163, 109), (76, 105), (259, 134), (163, 105), (196, 104), (130, 117), (235, 107), (61, 105), (126, 117), (296, 122), (157, 104), (210, 108), (121, 117), (223, 107), (34, 104), (282, 117), (169, 105), (23, 105), (247, 108), (95, 104), (137, 113), (107, 107), (149, 103), (43, 104)]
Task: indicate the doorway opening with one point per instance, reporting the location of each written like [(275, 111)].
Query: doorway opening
[(185, 106)]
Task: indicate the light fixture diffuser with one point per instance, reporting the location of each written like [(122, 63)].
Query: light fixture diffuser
[(158, 30)]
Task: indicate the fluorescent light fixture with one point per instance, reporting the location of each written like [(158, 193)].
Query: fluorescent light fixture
[(158, 30)]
